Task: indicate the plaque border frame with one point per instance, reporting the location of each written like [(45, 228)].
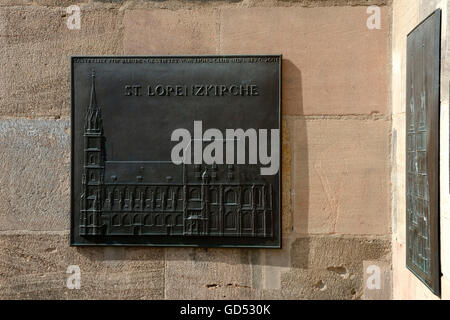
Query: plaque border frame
[(72, 241)]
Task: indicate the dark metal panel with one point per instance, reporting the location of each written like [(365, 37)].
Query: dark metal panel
[(126, 190), (422, 151)]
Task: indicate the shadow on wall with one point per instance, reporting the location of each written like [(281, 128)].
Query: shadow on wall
[(295, 169)]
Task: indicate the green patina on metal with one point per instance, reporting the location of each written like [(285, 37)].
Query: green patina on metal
[(422, 151)]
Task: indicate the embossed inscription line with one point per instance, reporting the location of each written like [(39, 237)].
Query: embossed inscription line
[(202, 90), (236, 59)]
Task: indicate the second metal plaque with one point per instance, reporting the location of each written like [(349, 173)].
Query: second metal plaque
[(176, 151), (422, 151)]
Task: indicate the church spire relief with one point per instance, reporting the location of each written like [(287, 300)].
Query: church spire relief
[(93, 115)]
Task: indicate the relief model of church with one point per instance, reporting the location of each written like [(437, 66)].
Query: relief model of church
[(136, 198)]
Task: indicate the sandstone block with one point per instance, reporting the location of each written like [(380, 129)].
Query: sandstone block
[(35, 47), (193, 273), (341, 177), (330, 267), (333, 64), (35, 267), (178, 32), (34, 175)]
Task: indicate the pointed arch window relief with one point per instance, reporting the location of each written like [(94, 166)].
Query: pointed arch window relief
[(422, 151), (247, 197), (126, 190), (195, 194), (230, 196)]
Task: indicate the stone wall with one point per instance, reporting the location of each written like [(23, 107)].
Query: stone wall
[(406, 15), (335, 164)]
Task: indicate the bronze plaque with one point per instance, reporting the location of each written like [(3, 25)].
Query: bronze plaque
[(178, 150), (422, 151)]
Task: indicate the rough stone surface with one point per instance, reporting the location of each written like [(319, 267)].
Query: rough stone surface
[(319, 268), (212, 273), (35, 47), (58, 3), (341, 170), (340, 2), (34, 175), (189, 31), (333, 64), (176, 4), (330, 267), (35, 267)]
